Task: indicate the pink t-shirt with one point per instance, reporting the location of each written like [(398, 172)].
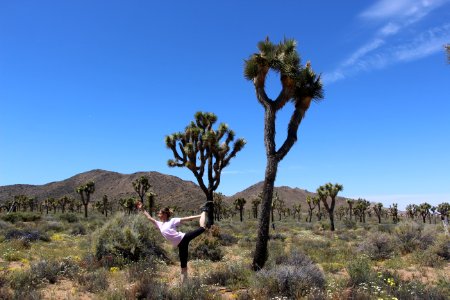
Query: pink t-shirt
[(169, 231)]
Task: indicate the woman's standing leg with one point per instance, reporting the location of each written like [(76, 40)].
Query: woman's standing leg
[(184, 244)]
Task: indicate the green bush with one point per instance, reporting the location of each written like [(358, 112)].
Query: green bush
[(292, 276), (127, 238), (27, 235), (51, 270), (95, 281), (408, 235), (53, 226), (78, 229), (69, 217), (441, 247), (206, 247), (378, 246), (230, 274), (360, 271), (21, 216)]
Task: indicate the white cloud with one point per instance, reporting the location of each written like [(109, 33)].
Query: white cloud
[(380, 53), (235, 172), (400, 9), (363, 51)]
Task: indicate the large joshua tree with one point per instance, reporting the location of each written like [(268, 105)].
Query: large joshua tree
[(201, 148), (85, 191), (300, 85)]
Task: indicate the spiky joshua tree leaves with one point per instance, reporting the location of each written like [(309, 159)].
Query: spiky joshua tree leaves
[(85, 192), (201, 148), (300, 85)]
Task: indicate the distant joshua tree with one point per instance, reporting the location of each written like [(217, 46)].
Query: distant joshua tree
[(141, 186), (312, 202), (296, 210), (201, 148), (255, 205), (424, 210), (239, 204), (330, 190), (393, 210), (151, 196), (85, 191), (378, 209), (300, 85)]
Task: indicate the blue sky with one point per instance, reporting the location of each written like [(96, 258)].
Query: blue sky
[(98, 84)]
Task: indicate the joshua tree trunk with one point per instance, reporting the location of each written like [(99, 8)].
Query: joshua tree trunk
[(261, 254)]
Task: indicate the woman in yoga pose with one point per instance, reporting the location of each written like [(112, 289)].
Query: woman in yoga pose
[(168, 228)]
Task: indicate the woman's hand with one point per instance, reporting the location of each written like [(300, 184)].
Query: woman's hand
[(139, 205)]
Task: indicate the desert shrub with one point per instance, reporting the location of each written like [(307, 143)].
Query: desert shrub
[(192, 289), (441, 247), (418, 290), (27, 235), (360, 271), (207, 247), (21, 216), (147, 288), (69, 217), (53, 226), (427, 237), (293, 275), (231, 274), (95, 281), (4, 226), (388, 228), (347, 236), (23, 286), (127, 238), (277, 236), (332, 267), (427, 258), (246, 242), (349, 224), (226, 239), (49, 270), (378, 246), (289, 280), (408, 235), (78, 229)]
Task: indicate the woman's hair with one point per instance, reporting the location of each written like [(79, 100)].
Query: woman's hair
[(167, 211)]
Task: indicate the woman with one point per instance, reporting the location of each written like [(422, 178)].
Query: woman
[(167, 226)]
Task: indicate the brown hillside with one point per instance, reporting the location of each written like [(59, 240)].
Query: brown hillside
[(170, 190)]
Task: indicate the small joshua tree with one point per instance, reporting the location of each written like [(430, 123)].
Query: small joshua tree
[(201, 148), (255, 205), (378, 209), (393, 210), (312, 202), (424, 210), (85, 192), (330, 190), (239, 204), (141, 185), (151, 202)]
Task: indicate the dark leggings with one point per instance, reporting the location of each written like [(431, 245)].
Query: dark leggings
[(183, 245)]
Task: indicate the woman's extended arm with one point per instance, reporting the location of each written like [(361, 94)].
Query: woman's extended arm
[(189, 218), (139, 207)]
